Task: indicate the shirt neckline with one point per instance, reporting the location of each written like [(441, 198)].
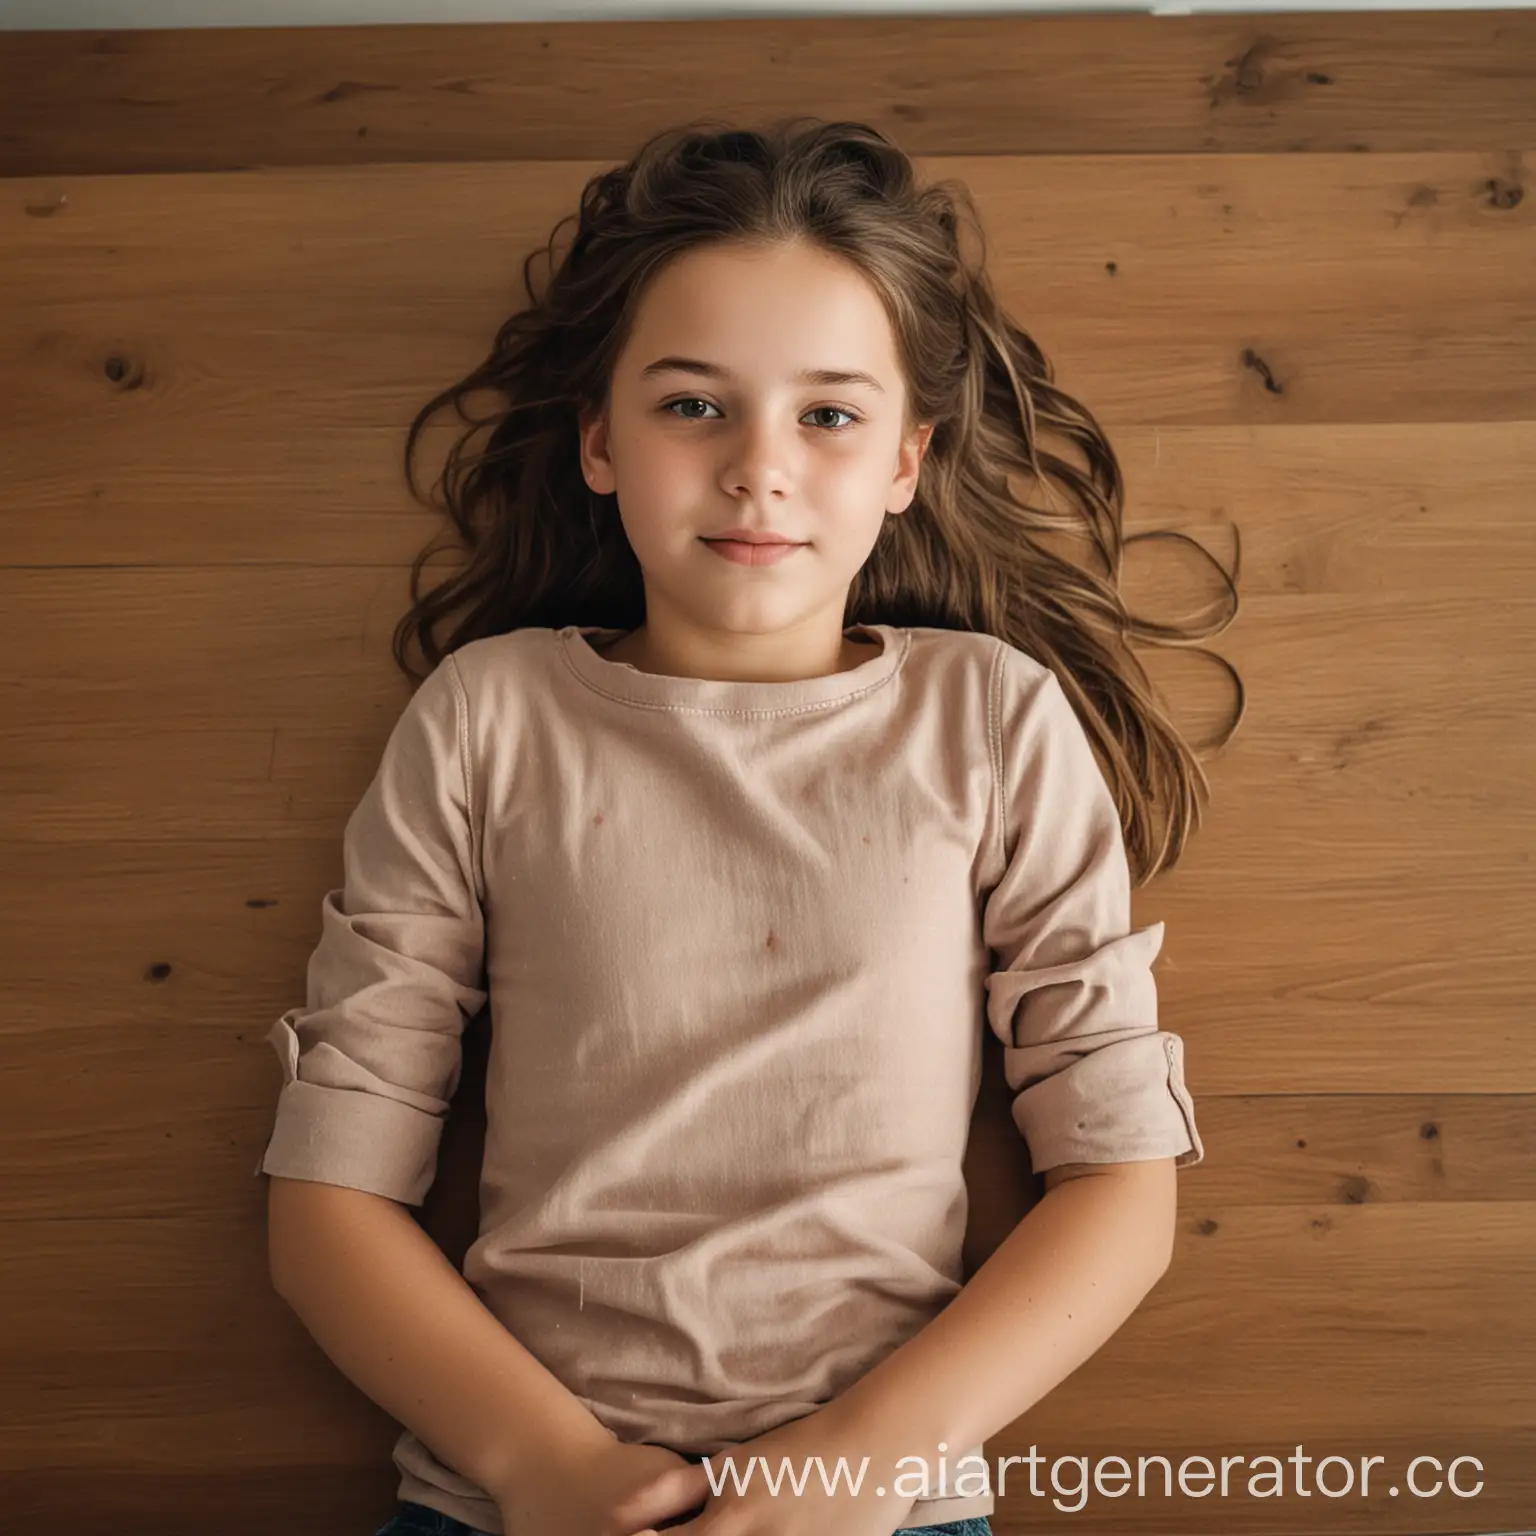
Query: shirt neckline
[(622, 680)]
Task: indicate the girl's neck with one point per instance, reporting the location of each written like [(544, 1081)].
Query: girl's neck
[(631, 649)]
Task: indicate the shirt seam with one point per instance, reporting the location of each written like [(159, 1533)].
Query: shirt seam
[(461, 723), (995, 747), (702, 709)]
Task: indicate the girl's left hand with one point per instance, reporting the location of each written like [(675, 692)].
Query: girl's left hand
[(804, 1454)]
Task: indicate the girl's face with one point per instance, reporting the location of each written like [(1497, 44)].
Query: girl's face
[(692, 455)]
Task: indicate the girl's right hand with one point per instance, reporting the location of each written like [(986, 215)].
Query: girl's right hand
[(611, 1489)]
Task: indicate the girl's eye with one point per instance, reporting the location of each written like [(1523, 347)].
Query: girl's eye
[(853, 419)]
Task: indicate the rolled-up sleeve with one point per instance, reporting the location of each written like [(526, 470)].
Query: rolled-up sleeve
[(1072, 996), (372, 1060)]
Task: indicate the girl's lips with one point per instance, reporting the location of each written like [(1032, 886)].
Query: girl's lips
[(752, 554)]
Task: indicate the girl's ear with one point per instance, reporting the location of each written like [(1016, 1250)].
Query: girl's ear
[(592, 428), (913, 449)]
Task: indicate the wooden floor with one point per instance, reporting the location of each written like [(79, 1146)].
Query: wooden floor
[(1289, 261)]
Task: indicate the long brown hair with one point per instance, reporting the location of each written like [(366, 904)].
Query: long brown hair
[(540, 547)]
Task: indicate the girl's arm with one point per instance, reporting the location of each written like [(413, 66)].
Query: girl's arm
[(1064, 1280), (393, 1314), (1099, 1096), (370, 1066)]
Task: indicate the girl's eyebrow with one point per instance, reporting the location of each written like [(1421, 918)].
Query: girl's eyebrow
[(717, 371)]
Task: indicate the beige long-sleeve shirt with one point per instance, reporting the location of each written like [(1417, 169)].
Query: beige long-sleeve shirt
[(740, 941)]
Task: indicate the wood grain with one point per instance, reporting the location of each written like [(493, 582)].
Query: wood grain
[(229, 98)]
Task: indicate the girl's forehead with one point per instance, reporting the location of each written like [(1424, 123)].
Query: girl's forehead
[(762, 319)]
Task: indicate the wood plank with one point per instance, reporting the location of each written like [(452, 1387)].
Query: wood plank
[(1390, 761), (1425, 778), (149, 321), (1336, 996), (1320, 508), (357, 1496), (1354, 1358), (208, 1055), (228, 97), (286, 481)]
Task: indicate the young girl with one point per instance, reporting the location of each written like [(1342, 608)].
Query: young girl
[(751, 781)]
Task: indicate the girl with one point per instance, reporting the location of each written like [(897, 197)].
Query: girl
[(750, 780)]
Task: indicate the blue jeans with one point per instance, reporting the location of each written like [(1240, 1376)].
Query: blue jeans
[(417, 1520)]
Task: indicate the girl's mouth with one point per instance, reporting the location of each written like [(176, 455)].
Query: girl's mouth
[(752, 554)]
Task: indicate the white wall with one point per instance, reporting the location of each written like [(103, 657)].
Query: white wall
[(64, 14)]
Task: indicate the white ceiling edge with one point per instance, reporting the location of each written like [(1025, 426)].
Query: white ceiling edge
[(135, 15)]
